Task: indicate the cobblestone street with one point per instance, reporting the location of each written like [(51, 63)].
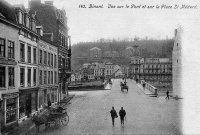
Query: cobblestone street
[(89, 113)]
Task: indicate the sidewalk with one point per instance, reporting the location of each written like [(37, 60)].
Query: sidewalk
[(27, 125)]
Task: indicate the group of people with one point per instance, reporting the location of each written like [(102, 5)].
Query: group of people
[(122, 114)]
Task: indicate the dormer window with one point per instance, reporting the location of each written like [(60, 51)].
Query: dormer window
[(20, 17), (27, 21), (33, 25), (24, 19)]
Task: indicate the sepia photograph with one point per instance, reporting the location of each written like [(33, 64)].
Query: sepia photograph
[(99, 67)]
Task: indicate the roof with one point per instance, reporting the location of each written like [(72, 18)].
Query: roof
[(7, 12), (129, 47), (44, 14), (95, 48)]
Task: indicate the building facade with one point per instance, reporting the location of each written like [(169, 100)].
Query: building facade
[(157, 71), (109, 69), (28, 62), (9, 73), (177, 63), (55, 33), (47, 74)]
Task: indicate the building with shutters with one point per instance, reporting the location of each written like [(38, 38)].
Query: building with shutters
[(55, 33), (9, 71), (28, 62)]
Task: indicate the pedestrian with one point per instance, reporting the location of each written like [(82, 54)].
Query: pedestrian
[(122, 114), (167, 93), (113, 115)]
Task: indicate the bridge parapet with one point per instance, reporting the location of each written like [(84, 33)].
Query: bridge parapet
[(149, 87)]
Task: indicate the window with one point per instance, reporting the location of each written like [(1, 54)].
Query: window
[(55, 61), (22, 77), (45, 77), (40, 77), (177, 60), (40, 57), (49, 78), (20, 17), (45, 57), (29, 77), (2, 76), (66, 43), (11, 49), (33, 25), (24, 19), (61, 39), (11, 74), (29, 54), (34, 76), (30, 23), (11, 110), (55, 77), (49, 59), (34, 56), (27, 21), (2, 47), (22, 52)]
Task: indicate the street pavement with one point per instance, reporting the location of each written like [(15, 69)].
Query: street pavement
[(89, 113)]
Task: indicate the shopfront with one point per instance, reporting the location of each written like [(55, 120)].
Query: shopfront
[(27, 102), (47, 93), (10, 111), (53, 94), (42, 97)]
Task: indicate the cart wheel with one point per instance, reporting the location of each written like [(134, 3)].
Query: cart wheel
[(65, 120)]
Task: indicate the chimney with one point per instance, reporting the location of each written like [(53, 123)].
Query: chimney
[(39, 30), (50, 3)]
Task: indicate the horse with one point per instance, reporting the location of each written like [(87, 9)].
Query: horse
[(124, 86)]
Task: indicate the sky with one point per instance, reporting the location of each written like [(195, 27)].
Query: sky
[(89, 24)]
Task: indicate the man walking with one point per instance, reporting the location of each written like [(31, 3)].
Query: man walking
[(113, 115), (122, 114), (167, 94)]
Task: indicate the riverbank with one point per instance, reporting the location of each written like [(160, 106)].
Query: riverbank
[(86, 86)]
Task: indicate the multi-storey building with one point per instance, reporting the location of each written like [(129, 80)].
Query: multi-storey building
[(135, 62), (48, 73), (95, 52), (157, 71), (55, 33), (9, 73), (177, 63), (109, 68), (125, 70), (28, 62)]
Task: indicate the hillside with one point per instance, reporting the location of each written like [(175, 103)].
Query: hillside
[(148, 48)]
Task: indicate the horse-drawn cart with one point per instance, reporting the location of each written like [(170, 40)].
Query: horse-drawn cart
[(124, 86), (51, 116)]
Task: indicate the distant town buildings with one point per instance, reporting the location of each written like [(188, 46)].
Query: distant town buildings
[(177, 63)]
